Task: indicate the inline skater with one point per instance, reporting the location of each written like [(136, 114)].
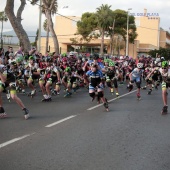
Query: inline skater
[(31, 74), (135, 76), (52, 75), (165, 73), (95, 84), (111, 77), (7, 78)]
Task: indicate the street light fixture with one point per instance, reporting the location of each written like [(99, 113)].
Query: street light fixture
[(127, 36)]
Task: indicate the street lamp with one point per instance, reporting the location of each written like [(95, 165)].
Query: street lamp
[(127, 36), (39, 34), (1, 35)]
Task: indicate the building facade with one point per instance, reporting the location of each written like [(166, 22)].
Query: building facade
[(150, 37)]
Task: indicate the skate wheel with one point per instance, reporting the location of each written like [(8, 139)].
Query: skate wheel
[(164, 113)]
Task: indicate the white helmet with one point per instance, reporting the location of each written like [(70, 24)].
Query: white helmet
[(140, 65), (121, 57)]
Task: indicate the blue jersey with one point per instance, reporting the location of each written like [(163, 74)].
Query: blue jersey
[(95, 77)]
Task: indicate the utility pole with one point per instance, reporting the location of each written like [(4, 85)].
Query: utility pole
[(39, 34), (1, 35), (127, 36)]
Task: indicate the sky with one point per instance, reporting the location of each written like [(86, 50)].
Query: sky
[(78, 7)]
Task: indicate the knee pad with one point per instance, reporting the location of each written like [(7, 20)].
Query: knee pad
[(92, 94), (109, 84), (138, 84), (100, 94), (115, 82)]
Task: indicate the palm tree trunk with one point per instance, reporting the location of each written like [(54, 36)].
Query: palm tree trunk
[(102, 43), (51, 28), (16, 23), (47, 38), (111, 45)]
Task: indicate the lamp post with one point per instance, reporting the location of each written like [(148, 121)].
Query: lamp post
[(39, 34), (127, 36), (1, 35)]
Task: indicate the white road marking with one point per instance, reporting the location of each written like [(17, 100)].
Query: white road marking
[(94, 107), (60, 121), (14, 140)]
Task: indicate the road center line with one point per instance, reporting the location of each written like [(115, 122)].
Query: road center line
[(60, 121), (94, 107), (14, 140)]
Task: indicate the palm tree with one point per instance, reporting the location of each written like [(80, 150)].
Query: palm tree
[(105, 20), (49, 8), (15, 21), (46, 28), (3, 18)]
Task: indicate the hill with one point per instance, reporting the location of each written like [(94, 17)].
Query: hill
[(14, 40)]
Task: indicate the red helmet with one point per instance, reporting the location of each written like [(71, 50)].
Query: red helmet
[(64, 59)]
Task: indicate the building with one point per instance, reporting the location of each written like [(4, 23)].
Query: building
[(164, 39), (150, 36), (66, 30), (148, 31)]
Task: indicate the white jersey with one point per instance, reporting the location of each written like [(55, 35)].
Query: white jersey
[(137, 73), (166, 74)]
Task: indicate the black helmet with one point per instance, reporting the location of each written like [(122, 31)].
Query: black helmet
[(14, 63), (95, 56), (49, 60), (91, 57)]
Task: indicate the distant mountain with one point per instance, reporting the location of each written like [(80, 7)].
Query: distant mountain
[(14, 39)]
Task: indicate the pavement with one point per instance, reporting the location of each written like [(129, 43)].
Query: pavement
[(77, 134)]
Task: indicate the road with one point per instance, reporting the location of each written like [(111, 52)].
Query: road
[(77, 134)]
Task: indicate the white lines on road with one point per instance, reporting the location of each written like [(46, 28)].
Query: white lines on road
[(60, 121), (14, 140), (94, 107)]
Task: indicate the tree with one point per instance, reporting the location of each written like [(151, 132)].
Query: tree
[(163, 52), (3, 18), (46, 28), (121, 25), (104, 20), (16, 22), (87, 26), (49, 8), (109, 23)]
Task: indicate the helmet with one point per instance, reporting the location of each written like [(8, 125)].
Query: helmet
[(164, 64), (64, 59), (14, 63), (102, 58), (111, 64), (162, 59), (91, 57), (71, 54), (67, 69), (49, 60), (31, 58), (64, 55), (93, 64), (140, 65), (106, 60), (121, 57), (95, 56), (19, 59)]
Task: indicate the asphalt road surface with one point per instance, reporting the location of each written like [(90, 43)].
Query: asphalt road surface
[(77, 134)]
